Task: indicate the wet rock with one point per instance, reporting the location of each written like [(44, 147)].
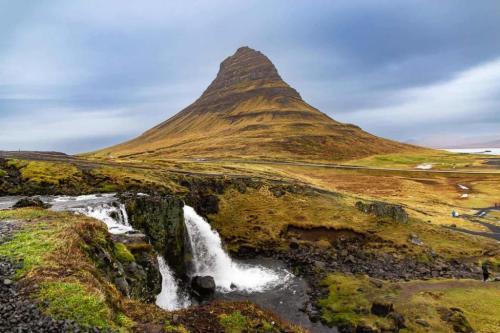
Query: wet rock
[(382, 308), (30, 202), (383, 209), (203, 286)]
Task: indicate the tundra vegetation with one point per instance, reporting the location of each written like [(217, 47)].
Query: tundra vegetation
[(261, 207)]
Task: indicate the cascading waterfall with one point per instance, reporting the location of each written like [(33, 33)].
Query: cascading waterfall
[(170, 297), (115, 216), (209, 258)]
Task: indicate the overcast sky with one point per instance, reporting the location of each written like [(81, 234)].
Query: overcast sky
[(80, 75)]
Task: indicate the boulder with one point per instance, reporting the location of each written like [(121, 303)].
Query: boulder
[(203, 286), (382, 308), (383, 209), (30, 202)]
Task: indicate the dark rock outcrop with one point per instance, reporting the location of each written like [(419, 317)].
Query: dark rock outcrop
[(130, 264), (384, 210), (161, 218), (31, 202), (203, 287), (382, 309)]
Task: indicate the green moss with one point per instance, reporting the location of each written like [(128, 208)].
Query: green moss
[(3, 173), (32, 244), (122, 253), (234, 322), (18, 164), (24, 214), (350, 298), (50, 173), (109, 187), (72, 301), (268, 327), (123, 321), (344, 302), (168, 327)]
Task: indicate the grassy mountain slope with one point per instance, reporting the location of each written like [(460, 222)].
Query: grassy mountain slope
[(248, 111)]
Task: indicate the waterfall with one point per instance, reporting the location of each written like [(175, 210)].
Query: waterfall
[(209, 258), (170, 297), (113, 215)]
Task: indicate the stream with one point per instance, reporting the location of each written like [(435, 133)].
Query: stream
[(266, 282)]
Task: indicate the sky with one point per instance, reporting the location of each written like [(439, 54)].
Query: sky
[(76, 76)]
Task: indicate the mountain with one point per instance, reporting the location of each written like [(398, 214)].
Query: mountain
[(248, 111)]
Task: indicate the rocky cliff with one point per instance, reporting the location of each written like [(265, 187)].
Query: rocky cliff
[(161, 218)]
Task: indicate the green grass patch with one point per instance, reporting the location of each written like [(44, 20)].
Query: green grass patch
[(72, 301), (349, 300), (122, 253), (49, 172), (481, 306), (33, 243), (23, 214), (234, 322), (3, 173), (480, 303), (438, 159)]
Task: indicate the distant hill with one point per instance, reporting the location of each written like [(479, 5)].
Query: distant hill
[(248, 111)]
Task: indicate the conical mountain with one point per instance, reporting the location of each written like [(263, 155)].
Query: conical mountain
[(248, 111)]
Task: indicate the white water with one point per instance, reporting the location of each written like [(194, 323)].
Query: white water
[(424, 166), (170, 297), (105, 212), (209, 258), (115, 216)]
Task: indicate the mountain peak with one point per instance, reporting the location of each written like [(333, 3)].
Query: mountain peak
[(247, 69), (248, 111)]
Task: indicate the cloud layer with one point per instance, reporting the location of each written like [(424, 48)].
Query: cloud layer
[(79, 75)]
